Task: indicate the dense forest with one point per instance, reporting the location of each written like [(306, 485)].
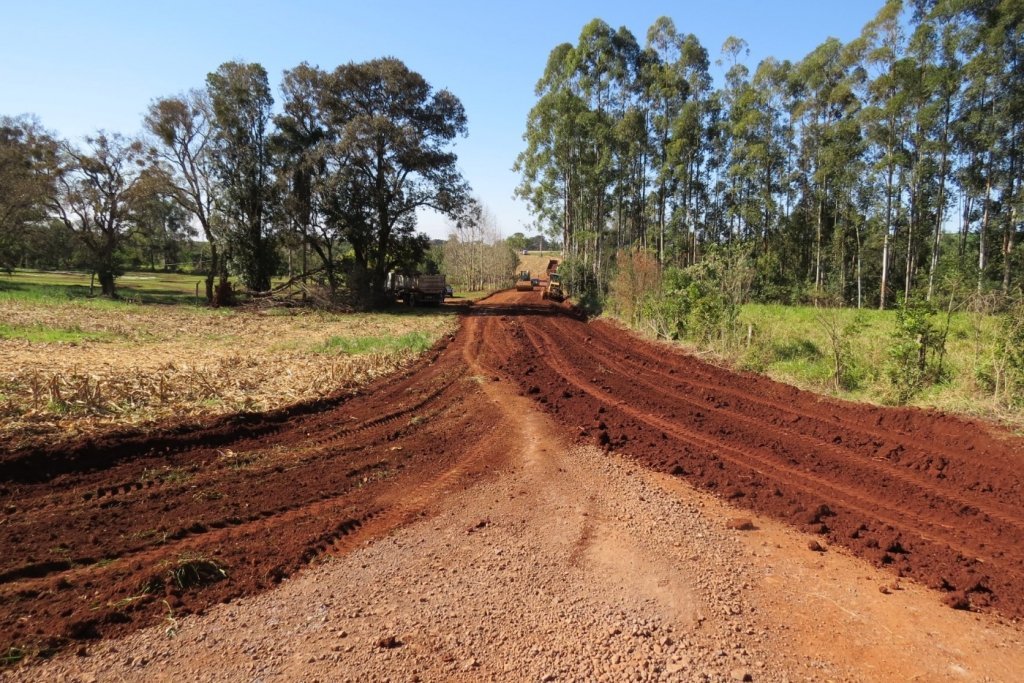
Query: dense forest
[(329, 187), (864, 174)]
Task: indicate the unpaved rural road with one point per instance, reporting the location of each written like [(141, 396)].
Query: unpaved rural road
[(537, 499)]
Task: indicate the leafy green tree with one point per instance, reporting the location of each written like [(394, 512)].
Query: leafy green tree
[(241, 102), (183, 128), (97, 190), (27, 157), (309, 191), (162, 227), (881, 45), (391, 157), (676, 82), (517, 241), (917, 350)]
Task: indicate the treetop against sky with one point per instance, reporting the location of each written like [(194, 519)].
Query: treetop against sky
[(86, 66)]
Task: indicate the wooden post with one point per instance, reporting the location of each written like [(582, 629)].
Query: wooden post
[(197, 293)]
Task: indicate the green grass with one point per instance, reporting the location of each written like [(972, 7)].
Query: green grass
[(139, 287), (415, 342), (44, 334), (790, 343)]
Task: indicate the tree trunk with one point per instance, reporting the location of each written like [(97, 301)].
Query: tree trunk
[(885, 241), (983, 232), (212, 273), (106, 278), (860, 291), (908, 275), (1009, 231), (817, 247), (940, 209)]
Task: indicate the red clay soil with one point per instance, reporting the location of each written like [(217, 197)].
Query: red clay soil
[(933, 497), (108, 536), (103, 537)]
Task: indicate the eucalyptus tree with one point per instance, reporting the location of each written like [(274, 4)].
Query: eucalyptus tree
[(995, 94), (827, 138), (183, 128), (936, 43), (161, 225), (552, 179), (96, 192), (241, 103), (884, 118), (677, 83)]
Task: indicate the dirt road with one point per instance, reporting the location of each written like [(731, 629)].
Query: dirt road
[(456, 531)]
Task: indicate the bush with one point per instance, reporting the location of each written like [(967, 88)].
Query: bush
[(1008, 364), (846, 373), (915, 358), (582, 284)]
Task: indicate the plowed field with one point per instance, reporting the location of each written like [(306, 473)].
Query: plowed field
[(109, 536)]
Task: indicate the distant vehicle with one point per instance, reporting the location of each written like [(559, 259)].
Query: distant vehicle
[(448, 291), (554, 289), (535, 281), (416, 289)]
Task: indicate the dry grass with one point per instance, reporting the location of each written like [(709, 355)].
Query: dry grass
[(149, 364)]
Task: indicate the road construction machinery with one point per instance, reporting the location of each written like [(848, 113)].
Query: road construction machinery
[(524, 283), (553, 290)]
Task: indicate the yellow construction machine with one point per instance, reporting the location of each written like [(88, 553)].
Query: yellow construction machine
[(553, 290), (523, 282)]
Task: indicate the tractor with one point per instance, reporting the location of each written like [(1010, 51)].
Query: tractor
[(524, 282)]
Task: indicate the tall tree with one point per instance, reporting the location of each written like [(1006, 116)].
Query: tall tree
[(183, 127), (392, 157), (27, 157), (241, 102), (884, 117), (319, 197), (96, 190)]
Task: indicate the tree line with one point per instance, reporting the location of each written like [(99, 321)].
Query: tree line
[(337, 174), (862, 173)]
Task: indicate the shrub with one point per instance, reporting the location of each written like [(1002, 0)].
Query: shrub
[(915, 358)]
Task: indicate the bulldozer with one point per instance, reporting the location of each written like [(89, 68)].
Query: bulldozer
[(553, 290), (523, 282)]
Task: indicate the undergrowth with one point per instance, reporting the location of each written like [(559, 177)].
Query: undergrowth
[(414, 342)]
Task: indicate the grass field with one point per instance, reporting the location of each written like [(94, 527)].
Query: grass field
[(70, 364), (149, 288), (537, 262), (790, 343)]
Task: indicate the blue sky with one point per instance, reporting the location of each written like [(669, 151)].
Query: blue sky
[(81, 66)]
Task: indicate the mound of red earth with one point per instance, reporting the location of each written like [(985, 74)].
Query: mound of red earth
[(931, 496), (110, 535)]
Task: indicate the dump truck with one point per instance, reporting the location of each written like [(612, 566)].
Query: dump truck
[(417, 289), (553, 290), (524, 283)]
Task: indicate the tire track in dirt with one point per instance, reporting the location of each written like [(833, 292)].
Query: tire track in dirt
[(99, 534), (764, 465), (93, 548), (857, 436), (941, 530), (914, 484)]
